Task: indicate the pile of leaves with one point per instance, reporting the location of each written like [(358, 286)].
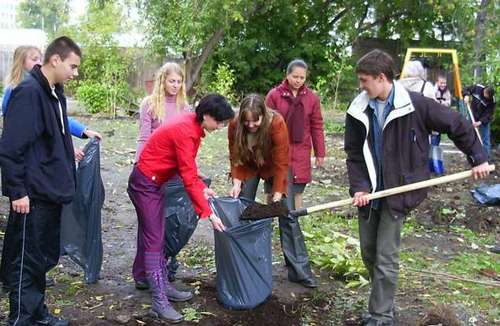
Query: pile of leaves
[(333, 249)]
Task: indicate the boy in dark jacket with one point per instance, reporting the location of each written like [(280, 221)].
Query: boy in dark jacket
[(386, 141), (38, 175), (483, 106)]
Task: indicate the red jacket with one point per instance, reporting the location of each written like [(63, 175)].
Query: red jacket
[(172, 149), (300, 153)]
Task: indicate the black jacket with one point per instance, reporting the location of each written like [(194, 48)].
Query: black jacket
[(36, 157), (405, 149), (482, 108)]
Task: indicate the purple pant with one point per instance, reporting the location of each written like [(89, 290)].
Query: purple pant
[(147, 198)]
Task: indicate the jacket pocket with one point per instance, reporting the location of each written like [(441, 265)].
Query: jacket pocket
[(418, 150), (413, 198)]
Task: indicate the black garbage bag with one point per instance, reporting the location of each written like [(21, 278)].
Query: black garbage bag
[(487, 194), (81, 220), (180, 220), (243, 256)]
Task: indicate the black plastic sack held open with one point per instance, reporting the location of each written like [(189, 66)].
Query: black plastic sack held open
[(243, 256), (81, 220)]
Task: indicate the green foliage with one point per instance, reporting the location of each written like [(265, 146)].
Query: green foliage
[(332, 248), (223, 82), (47, 15), (92, 95), (103, 84)]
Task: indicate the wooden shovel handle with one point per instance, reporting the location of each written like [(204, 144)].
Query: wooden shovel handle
[(399, 190)]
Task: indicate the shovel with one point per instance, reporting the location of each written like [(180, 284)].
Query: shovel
[(258, 211)]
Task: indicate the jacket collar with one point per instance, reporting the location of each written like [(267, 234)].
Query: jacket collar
[(285, 90), (402, 105), (37, 74)]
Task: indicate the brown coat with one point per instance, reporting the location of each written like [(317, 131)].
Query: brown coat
[(276, 166)]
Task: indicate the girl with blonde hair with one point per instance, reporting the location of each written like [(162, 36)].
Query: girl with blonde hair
[(167, 100)]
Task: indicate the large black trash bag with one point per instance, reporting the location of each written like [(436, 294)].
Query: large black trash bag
[(181, 219), (81, 220), (243, 256)]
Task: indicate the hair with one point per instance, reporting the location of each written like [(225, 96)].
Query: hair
[(415, 69), (62, 46), (296, 63), (490, 90), (17, 70), (376, 62), (441, 76), (216, 106), (157, 98), (253, 104)]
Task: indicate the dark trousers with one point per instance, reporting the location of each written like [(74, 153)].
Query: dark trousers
[(380, 239), (291, 237), (31, 249)]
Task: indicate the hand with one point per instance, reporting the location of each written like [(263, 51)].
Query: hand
[(236, 190), (319, 162), (209, 193), (217, 223), (277, 196), (481, 171), (359, 199), (79, 154), (91, 133), (21, 205), (476, 124)]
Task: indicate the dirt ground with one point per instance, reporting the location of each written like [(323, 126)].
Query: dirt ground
[(114, 300)]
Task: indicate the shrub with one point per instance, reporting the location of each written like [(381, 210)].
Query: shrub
[(92, 95)]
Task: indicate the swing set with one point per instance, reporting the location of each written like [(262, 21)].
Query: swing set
[(437, 63)]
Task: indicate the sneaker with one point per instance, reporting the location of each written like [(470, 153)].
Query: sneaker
[(51, 320)]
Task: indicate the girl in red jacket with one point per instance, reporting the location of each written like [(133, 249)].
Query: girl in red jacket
[(302, 112), (171, 150)]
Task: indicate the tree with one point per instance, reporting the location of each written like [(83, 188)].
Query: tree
[(47, 15), (103, 84), (190, 30)]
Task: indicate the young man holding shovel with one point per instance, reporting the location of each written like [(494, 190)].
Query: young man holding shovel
[(386, 141)]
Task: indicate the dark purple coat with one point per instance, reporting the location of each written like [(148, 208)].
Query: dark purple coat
[(279, 99)]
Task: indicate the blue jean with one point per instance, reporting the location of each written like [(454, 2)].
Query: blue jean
[(484, 131)]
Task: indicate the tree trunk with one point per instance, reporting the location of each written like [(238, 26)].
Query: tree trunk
[(478, 38), (194, 65)]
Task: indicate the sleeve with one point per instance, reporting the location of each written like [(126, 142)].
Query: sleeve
[(357, 173), (5, 99), (317, 130), (444, 120), (76, 128), (186, 150), (24, 127), (487, 114), (447, 96), (280, 152), (270, 101), (429, 91), (145, 127)]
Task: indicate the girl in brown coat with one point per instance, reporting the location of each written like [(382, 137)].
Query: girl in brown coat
[(259, 148)]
